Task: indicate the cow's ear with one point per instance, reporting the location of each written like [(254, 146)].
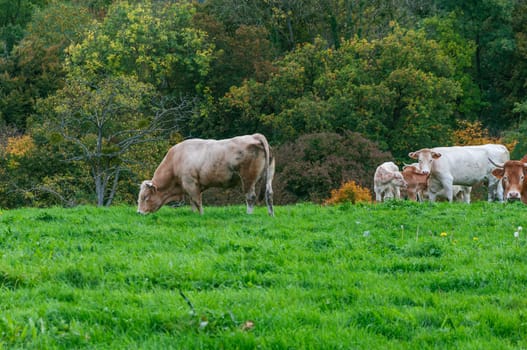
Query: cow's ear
[(436, 155), (498, 172), (150, 185), (413, 155)]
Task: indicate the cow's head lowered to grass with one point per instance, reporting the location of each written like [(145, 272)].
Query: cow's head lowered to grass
[(192, 166), (151, 199)]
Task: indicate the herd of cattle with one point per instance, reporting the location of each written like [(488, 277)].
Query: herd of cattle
[(194, 165), (450, 172)]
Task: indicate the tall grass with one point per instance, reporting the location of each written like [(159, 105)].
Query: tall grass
[(397, 275)]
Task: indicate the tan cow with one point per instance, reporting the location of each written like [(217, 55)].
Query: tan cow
[(417, 182), (194, 165), (512, 174)]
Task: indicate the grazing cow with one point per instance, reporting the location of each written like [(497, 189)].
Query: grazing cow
[(512, 174), (460, 165), (192, 166), (387, 182)]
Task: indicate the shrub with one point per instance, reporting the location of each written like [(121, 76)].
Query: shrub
[(308, 168), (349, 192), (473, 133)]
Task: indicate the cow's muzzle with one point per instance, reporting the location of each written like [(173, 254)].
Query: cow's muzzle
[(513, 196)]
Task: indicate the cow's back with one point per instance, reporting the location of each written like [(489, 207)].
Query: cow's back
[(217, 162), (383, 171), (498, 153), (466, 165)]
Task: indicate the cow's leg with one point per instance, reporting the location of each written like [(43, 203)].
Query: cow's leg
[(466, 193), (249, 184), (195, 201), (397, 192), (449, 192), (378, 192), (269, 187), (378, 196), (499, 191), (412, 194), (432, 196), (250, 198), (194, 192), (249, 176), (495, 189)]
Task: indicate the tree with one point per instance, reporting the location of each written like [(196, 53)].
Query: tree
[(34, 68), (488, 23), (14, 16), (155, 41), (400, 91), (103, 121)]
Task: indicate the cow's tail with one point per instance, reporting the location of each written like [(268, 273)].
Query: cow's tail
[(268, 173)]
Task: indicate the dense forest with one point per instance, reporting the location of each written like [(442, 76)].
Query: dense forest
[(93, 92)]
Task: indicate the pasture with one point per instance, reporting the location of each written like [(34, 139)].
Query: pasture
[(396, 275)]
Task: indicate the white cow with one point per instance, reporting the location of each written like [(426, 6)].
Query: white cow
[(461, 165), (387, 182)]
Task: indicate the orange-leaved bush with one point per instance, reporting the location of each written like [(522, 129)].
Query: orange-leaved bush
[(474, 133), (17, 147), (349, 192)]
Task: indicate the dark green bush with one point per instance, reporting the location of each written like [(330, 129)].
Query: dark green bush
[(310, 167)]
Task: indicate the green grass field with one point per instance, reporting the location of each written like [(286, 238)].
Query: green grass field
[(396, 275)]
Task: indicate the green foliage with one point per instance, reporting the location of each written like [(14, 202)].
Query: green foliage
[(34, 68), (400, 90), (488, 24), (14, 16), (445, 30), (29, 176), (519, 134), (311, 277), (244, 53), (98, 123), (153, 41)]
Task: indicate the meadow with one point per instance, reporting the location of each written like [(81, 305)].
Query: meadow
[(397, 275)]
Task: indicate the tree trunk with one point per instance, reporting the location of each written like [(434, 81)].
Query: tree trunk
[(114, 187), (99, 190)]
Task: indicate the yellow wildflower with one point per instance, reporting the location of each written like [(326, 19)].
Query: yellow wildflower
[(443, 234)]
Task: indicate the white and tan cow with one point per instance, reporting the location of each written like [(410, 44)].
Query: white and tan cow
[(417, 185), (387, 182), (192, 166), (460, 165), (513, 175)]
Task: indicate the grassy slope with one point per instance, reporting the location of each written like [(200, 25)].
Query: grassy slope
[(374, 276)]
